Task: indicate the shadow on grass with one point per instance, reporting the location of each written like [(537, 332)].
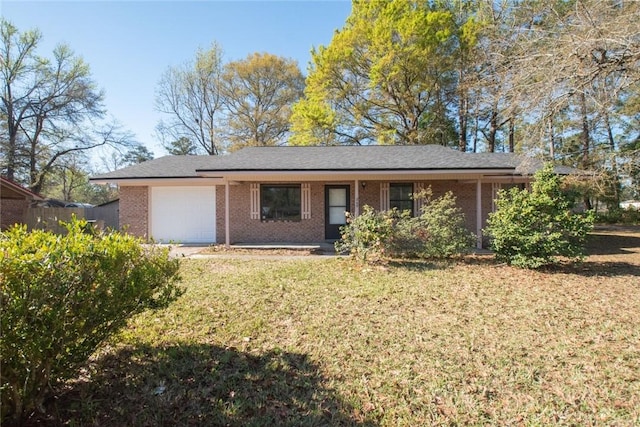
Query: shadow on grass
[(597, 268), (612, 244), (203, 385)]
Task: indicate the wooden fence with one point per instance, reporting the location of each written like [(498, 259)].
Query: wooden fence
[(50, 218), (108, 214)]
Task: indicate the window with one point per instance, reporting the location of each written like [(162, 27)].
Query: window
[(400, 197), (280, 202)]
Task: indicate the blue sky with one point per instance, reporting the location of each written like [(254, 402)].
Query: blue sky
[(129, 44)]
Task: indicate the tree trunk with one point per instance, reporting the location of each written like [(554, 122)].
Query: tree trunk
[(584, 136), (512, 131), (612, 146), (35, 178), (463, 117), (493, 130), (552, 139), (476, 124), (12, 129)]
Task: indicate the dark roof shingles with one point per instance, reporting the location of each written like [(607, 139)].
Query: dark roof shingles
[(324, 158), (377, 157)]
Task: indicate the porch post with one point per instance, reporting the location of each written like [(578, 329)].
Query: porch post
[(227, 239), (357, 201), (479, 213)]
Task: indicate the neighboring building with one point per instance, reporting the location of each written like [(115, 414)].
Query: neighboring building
[(14, 202), (630, 204), (300, 194)]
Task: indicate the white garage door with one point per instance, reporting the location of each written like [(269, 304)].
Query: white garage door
[(183, 214)]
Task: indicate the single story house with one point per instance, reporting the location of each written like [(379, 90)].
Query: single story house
[(300, 194), (15, 200)]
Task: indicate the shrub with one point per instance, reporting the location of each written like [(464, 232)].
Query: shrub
[(628, 216), (439, 232), (533, 228), (62, 296), (365, 236)]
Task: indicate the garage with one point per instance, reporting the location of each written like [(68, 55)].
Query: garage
[(183, 214)]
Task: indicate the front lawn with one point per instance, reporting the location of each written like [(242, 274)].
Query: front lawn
[(325, 342)]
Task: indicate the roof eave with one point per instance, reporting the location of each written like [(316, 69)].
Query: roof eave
[(158, 180), (431, 171), (21, 190)]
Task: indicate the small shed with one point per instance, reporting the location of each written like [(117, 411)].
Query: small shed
[(14, 203)]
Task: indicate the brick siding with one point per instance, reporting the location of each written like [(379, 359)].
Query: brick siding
[(465, 197), (243, 229), (134, 210)]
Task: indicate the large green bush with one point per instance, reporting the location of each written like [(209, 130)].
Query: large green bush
[(439, 232), (62, 296), (534, 228)]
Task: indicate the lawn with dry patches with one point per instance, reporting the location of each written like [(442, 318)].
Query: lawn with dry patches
[(299, 342)]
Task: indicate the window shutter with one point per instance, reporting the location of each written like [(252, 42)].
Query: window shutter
[(255, 201), (384, 196), (306, 200), (417, 203)]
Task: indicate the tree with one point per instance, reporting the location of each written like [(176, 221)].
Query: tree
[(218, 107), (70, 182), (582, 55), (488, 78), (68, 179), (51, 108), (258, 94), (388, 77), (577, 63), (138, 154), (181, 147), (190, 97)]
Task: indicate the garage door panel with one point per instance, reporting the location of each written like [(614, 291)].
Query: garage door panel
[(183, 214)]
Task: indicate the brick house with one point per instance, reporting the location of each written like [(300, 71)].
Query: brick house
[(14, 202), (300, 194)]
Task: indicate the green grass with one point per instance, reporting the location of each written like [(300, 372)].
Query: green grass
[(327, 342)]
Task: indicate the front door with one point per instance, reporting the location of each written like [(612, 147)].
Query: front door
[(336, 202)]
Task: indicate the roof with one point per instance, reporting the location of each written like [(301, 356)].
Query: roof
[(12, 190), (320, 158), (360, 158), (163, 167)]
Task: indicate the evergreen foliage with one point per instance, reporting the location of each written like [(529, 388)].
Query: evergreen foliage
[(531, 229), (439, 232), (62, 296)]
